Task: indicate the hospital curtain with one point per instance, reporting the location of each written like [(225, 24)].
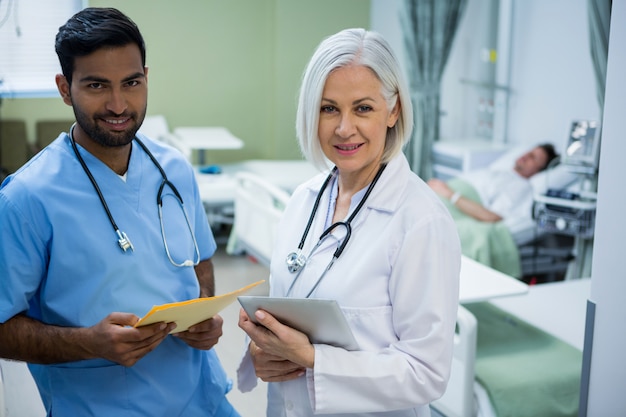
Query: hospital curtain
[(428, 28), (599, 12)]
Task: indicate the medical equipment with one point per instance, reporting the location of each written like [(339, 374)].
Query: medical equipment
[(572, 211), (583, 145), (123, 240), (296, 261)]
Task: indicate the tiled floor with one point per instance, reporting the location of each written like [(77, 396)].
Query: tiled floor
[(231, 273)]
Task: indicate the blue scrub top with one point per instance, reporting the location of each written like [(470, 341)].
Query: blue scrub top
[(61, 263)]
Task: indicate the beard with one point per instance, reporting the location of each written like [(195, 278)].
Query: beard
[(104, 137)]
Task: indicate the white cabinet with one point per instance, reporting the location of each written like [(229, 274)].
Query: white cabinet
[(453, 157)]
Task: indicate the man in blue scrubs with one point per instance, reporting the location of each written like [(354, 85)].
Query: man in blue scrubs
[(85, 250)]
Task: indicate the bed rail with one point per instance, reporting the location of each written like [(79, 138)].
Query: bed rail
[(458, 400)]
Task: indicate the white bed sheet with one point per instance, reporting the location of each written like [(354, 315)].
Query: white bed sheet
[(558, 308)]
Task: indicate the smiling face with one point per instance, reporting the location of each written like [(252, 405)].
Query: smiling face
[(109, 96), (353, 123)]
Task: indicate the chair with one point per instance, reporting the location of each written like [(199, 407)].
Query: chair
[(14, 150), (48, 130)]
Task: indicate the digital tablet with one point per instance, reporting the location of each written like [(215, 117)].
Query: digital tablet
[(320, 319)]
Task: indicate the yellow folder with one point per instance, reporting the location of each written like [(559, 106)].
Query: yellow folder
[(188, 313)]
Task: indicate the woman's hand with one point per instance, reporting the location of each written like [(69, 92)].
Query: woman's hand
[(271, 368), (277, 350)]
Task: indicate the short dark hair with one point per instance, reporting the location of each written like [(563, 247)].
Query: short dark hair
[(550, 153), (91, 29)]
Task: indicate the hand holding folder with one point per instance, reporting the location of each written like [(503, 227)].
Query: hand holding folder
[(187, 313)]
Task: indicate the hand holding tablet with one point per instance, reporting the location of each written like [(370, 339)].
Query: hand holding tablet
[(320, 319)]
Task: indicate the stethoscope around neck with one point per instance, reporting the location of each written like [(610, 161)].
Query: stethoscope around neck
[(296, 261), (123, 240)]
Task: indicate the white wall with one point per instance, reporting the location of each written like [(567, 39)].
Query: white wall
[(608, 284), (551, 71), (551, 76)]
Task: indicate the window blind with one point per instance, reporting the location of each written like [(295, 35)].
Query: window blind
[(28, 62)]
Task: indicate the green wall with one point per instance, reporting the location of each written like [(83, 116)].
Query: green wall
[(234, 63)]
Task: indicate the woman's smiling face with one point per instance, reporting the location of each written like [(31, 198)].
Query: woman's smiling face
[(354, 118)]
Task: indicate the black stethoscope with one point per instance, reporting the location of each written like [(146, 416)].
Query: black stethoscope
[(296, 261), (123, 240)]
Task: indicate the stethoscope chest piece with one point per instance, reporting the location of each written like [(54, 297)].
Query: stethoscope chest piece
[(124, 241), (295, 261)]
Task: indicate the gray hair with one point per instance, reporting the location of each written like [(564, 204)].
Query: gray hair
[(352, 47)]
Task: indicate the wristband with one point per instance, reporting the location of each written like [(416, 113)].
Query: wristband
[(455, 197)]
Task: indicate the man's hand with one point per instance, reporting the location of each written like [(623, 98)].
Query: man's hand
[(203, 335), (114, 339)]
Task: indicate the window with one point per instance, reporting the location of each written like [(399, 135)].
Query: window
[(28, 62)]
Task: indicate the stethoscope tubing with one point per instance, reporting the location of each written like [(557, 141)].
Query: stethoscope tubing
[(93, 181), (123, 240), (295, 257)]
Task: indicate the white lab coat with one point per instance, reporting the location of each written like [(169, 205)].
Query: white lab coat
[(397, 282)]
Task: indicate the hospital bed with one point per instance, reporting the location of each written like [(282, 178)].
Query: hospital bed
[(517, 246), (555, 313), (541, 253), (258, 207), (219, 191)]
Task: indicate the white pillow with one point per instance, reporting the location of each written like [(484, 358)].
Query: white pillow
[(507, 159), (557, 177)]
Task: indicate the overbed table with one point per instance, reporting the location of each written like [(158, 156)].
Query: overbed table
[(482, 283), (207, 138)]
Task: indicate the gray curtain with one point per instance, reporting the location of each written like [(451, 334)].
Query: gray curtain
[(428, 28), (599, 12)]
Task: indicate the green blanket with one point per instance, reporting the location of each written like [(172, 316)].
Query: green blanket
[(526, 371), (490, 244)]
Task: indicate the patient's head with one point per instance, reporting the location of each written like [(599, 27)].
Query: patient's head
[(535, 160)]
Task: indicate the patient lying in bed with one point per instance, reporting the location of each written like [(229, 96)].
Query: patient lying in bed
[(487, 203)]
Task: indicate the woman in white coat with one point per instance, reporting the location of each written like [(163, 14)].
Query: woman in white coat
[(397, 278)]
